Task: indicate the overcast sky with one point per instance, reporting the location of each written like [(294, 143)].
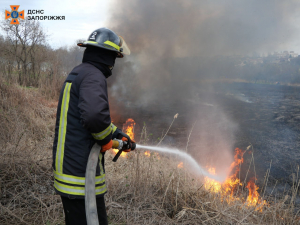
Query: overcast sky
[(84, 16)]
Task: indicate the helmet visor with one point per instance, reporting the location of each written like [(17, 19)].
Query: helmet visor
[(123, 46)]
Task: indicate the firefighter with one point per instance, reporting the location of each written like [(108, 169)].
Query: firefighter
[(83, 119)]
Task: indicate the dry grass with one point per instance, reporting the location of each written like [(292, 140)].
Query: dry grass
[(142, 190), (26, 131), (148, 190)]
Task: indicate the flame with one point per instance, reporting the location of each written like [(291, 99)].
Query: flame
[(228, 188), (211, 184), (252, 198), (180, 165), (154, 154), (128, 128), (123, 154)]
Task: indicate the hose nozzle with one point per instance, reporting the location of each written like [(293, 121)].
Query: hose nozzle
[(121, 145), (117, 144)]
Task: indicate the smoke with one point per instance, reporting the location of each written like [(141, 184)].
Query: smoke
[(177, 46), (173, 41)]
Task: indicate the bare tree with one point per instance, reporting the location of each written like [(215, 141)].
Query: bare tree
[(25, 45)]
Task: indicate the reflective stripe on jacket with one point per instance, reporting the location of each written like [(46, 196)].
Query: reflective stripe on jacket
[(82, 119)]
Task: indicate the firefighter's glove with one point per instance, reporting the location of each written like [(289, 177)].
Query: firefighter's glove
[(107, 146), (129, 144), (121, 135)]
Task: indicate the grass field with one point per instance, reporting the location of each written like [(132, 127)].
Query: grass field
[(142, 189)]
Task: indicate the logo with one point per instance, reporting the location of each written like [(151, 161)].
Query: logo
[(93, 36), (14, 14)]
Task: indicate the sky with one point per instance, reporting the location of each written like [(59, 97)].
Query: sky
[(82, 17)]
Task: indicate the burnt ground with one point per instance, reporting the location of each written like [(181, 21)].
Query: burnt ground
[(266, 116)]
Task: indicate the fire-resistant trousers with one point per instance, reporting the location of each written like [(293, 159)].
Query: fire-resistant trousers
[(75, 211)]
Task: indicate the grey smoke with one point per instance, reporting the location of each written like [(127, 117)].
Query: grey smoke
[(173, 40), (173, 44)]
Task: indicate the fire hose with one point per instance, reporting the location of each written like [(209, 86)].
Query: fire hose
[(90, 174)]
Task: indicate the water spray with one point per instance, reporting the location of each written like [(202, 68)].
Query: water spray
[(192, 162), (90, 197)]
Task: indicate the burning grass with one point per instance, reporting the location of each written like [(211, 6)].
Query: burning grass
[(144, 187), (146, 190), (147, 187), (229, 189)]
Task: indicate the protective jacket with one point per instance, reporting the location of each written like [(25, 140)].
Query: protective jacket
[(82, 119)]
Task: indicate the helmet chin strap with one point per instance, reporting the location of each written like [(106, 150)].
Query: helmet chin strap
[(111, 67)]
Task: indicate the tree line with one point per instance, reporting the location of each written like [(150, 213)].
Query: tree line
[(27, 58)]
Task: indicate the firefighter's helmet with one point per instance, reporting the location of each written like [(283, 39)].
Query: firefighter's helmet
[(107, 39)]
